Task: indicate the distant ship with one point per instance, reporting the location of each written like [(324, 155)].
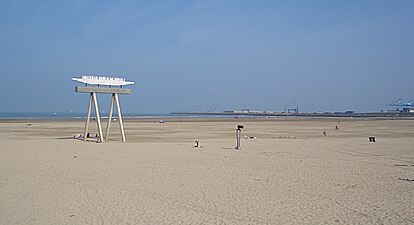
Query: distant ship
[(101, 80)]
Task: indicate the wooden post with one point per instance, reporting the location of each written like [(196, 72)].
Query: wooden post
[(88, 117), (111, 109), (118, 108), (98, 118)]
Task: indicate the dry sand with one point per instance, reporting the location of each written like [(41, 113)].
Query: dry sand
[(290, 174)]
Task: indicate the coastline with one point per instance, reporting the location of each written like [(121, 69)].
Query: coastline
[(168, 118)]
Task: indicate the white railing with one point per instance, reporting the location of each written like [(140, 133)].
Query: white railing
[(91, 77)]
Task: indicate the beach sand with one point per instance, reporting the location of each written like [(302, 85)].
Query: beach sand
[(290, 174)]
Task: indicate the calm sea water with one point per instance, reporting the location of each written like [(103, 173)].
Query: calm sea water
[(60, 115), (66, 115)]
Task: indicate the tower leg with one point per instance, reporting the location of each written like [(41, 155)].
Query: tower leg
[(111, 109), (118, 108), (88, 117), (98, 118)]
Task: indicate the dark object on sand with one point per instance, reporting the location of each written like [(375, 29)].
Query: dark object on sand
[(406, 179), (371, 139), (197, 145), (98, 139), (249, 137)]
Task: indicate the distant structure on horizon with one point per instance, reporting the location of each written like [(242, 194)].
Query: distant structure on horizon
[(401, 106), (102, 80)]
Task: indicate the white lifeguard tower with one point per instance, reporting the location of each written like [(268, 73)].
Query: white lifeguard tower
[(103, 85)]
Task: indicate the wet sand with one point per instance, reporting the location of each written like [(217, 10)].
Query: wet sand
[(290, 174)]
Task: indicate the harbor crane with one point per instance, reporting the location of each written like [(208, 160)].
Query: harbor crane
[(402, 106)]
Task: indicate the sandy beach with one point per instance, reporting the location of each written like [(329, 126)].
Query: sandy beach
[(289, 174)]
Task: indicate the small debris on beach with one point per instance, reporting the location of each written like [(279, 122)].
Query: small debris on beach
[(258, 179), (197, 144), (406, 179), (284, 137), (249, 137)]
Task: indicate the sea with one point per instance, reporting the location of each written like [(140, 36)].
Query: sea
[(77, 115)]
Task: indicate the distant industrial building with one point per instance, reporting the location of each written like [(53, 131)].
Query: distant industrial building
[(400, 106)]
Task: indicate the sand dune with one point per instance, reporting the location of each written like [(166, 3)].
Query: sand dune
[(290, 174)]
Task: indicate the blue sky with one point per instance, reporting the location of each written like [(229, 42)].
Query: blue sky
[(208, 55)]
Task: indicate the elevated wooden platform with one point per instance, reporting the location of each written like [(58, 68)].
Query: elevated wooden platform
[(93, 90), (102, 90)]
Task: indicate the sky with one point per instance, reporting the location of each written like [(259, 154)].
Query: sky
[(208, 55)]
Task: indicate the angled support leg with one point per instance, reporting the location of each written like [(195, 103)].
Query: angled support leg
[(88, 117), (118, 108), (98, 118), (111, 109)]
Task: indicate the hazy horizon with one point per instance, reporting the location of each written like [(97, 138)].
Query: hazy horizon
[(209, 55)]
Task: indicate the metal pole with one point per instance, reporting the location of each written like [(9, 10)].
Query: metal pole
[(238, 131), (98, 118), (118, 108), (111, 109), (88, 117)]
